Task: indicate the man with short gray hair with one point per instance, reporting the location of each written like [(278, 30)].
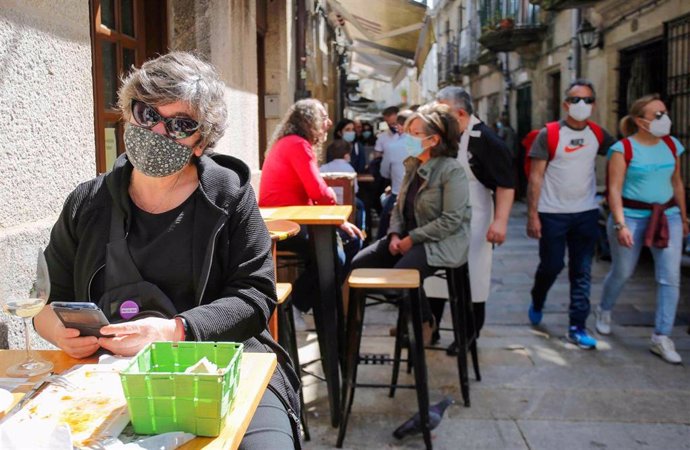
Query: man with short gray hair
[(489, 166)]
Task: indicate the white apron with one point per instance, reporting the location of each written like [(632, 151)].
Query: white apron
[(482, 204)]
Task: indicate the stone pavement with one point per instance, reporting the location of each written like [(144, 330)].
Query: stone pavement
[(537, 391)]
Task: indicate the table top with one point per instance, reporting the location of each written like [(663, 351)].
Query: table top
[(281, 229), (255, 373), (309, 215)]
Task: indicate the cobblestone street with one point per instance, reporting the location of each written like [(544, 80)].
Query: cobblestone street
[(537, 391)]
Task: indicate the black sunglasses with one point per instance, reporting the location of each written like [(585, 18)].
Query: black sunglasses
[(176, 128), (573, 100)]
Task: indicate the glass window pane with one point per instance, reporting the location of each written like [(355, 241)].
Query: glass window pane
[(108, 13), (127, 17), (128, 60), (111, 141), (109, 74)]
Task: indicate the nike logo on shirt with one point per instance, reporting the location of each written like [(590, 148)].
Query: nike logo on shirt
[(573, 149)]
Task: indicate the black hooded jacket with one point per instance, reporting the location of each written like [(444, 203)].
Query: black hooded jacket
[(232, 268)]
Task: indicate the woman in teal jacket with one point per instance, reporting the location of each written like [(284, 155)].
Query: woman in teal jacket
[(430, 222)]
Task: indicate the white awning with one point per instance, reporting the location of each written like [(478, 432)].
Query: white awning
[(387, 36)]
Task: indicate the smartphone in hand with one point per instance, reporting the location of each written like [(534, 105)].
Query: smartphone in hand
[(84, 316)]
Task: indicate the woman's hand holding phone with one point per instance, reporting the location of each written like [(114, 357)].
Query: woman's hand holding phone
[(72, 343), (130, 337), (70, 340)]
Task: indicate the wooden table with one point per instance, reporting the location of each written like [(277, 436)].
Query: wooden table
[(322, 222), (255, 373)]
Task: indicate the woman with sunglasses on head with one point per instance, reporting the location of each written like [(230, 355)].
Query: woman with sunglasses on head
[(647, 201), (429, 225), (170, 243)]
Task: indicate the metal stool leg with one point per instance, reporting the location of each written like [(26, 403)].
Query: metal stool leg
[(455, 291), (416, 352), (467, 298), (399, 334), (475, 360), (355, 321)]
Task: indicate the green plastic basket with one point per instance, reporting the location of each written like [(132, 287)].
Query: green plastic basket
[(162, 398)]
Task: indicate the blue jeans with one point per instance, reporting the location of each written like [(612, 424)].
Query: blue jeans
[(579, 232), (666, 269)]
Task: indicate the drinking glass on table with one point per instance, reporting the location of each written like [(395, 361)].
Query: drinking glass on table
[(25, 305)]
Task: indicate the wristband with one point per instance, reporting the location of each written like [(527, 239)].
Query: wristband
[(618, 226), (185, 328)]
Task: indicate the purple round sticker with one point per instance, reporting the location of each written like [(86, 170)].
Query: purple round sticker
[(128, 309)]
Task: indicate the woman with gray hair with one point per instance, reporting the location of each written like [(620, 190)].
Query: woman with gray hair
[(430, 222), (170, 243)]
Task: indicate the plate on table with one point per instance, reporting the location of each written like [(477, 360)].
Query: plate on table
[(6, 398), (95, 410)]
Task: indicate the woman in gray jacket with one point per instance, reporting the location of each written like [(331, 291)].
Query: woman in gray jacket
[(430, 222)]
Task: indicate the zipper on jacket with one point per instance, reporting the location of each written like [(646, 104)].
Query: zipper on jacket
[(88, 291), (210, 262)]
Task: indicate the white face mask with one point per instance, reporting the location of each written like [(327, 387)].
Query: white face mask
[(660, 127), (580, 111)]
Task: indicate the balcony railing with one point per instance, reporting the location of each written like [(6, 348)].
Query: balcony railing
[(448, 64), (509, 24), (560, 5)]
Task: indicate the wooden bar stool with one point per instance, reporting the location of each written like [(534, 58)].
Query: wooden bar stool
[(361, 281), (279, 231)]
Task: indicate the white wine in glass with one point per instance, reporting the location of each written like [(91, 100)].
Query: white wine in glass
[(26, 308)]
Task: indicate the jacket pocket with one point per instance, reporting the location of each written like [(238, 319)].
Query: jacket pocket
[(429, 204)]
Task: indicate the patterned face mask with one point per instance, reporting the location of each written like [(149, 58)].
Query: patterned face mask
[(153, 154)]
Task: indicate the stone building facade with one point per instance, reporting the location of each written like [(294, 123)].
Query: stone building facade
[(518, 57)]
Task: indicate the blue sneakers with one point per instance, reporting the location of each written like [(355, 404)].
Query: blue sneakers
[(579, 337), (534, 315)]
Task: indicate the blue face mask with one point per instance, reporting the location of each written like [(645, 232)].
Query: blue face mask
[(413, 145), (366, 134), (349, 136)]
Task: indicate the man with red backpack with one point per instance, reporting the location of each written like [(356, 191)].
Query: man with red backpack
[(562, 206)]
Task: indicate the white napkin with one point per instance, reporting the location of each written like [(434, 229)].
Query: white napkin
[(165, 441), (116, 362), (28, 435)]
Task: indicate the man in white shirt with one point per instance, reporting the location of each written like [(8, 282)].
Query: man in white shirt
[(562, 209), (383, 140), (392, 167)]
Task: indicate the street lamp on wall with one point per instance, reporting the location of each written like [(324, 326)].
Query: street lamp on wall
[(589, 36)]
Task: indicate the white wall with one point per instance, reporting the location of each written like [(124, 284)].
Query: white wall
[(47, 143)]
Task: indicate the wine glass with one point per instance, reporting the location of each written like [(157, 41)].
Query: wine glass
[(26, 306)]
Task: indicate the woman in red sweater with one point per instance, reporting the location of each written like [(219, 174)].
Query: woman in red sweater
[(290, 177)]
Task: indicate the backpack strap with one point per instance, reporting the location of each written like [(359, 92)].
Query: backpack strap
[(598, 132), (627, 150), (553, 130), (671, 145)]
